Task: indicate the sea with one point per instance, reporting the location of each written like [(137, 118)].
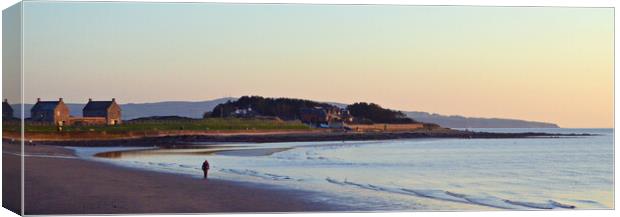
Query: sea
[(408, 174)]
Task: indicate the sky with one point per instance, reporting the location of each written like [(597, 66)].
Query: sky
[(552, 64)]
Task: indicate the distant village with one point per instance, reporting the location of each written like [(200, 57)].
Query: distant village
[(57, 113), (311, 113), (109, 113)]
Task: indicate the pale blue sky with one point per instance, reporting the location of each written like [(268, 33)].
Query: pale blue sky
[(536, 63)]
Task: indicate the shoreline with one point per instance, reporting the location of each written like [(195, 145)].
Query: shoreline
[(125, 190), (295, 136), (58, 158)]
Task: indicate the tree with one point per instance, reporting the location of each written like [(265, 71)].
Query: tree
[(377, 114), (283, 108)]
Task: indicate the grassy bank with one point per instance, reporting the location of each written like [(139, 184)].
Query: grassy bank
[(385, 127), (215, 124)]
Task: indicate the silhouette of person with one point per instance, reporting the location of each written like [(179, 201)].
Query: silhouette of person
[(205, 168)]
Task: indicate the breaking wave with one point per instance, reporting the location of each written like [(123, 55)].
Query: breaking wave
[(253, 173), (488, 201)]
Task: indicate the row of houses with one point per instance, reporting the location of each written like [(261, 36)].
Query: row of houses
[(326, 117), (58, 113)]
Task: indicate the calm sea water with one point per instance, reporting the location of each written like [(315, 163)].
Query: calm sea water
[(413, 174)]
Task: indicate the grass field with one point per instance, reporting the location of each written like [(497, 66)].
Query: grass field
[(385, 127), (163, 125)]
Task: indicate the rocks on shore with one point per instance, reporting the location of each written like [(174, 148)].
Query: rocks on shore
[(304, 137)]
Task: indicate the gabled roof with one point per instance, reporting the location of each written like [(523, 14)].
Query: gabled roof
[(6, 106), (97, 105), (45, 106)]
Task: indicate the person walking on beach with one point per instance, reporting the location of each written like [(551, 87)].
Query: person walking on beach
[(205, 168)]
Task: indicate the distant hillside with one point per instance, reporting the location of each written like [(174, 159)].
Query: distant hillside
[(376, 114), (184, 109), (455, 121), (197, 109)]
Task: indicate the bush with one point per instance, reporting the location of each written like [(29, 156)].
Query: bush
[(377, 114)]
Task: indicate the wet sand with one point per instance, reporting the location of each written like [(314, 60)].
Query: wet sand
[(65, 184)]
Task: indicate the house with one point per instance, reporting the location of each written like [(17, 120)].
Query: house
[(101, 112), (346, 116), (331, 117), (244, 113), (314, 116), (55, 112), (336, 123), (7, 110)]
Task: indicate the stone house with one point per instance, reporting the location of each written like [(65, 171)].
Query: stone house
[(7, 110), (55, 112), (101, 112)]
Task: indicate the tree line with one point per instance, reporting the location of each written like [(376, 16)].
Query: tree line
[(377, 114), (289, 109), (283, 108)]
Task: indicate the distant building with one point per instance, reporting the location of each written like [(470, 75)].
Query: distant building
[(100, 112), (336, 123), (331, 117), (244, 113), (7, 110), (346, 116), (315, 116), (55, 112)]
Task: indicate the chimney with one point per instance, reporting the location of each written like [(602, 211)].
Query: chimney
[(60, 99), (113, 99), (90, 99), (38, 99)]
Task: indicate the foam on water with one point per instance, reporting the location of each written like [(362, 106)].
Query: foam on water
[(253, 173), (489, 201)]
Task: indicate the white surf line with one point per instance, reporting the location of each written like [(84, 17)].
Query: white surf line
[(253, 173), (407, 192), (459, 198), (40, 155)]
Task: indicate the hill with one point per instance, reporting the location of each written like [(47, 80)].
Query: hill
[(284, 108), (456, 121), (377, 114)]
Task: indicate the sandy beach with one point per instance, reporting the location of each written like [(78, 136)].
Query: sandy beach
[(57, 182)]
